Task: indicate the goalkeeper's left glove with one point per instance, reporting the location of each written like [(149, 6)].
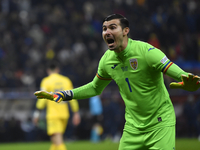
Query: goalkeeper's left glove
[(57, 96), (190, 83)]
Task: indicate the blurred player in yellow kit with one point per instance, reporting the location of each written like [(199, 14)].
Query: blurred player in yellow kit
[(57, 114)]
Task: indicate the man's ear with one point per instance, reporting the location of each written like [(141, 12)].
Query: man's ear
[(126, 31)]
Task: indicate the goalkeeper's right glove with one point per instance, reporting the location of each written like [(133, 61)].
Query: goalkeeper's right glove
[(57, 96)]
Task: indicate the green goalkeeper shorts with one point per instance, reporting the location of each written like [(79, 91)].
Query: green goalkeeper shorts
[(160, 139)]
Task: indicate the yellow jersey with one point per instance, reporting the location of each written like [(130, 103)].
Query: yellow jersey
[(52, 83)]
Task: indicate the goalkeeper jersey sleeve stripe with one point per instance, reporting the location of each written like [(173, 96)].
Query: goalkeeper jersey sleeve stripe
[(175, 72), (102, 78), (166, 67)]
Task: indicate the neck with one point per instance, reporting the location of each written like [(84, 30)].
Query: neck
[(52, 71), (123, 46)]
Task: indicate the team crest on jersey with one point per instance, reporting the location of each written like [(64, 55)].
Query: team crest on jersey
[(133, 63)]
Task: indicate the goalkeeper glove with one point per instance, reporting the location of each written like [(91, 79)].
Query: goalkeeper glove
[(189, 83), (57, 96)]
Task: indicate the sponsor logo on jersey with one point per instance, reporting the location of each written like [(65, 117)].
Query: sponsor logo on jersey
[(159, 119), (124, 68), (133, 63), (151, 48), (163, 61), (114, 66)]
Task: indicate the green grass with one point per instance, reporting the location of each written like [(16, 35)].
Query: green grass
[(78, 145), (187, 144), (181, 144)]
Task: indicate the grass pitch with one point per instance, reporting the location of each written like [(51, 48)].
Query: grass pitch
[(181, 144)]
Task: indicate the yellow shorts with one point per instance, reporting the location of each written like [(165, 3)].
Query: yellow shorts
[(56, 126)]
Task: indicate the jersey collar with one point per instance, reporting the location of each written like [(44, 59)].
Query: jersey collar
[(123, 54)]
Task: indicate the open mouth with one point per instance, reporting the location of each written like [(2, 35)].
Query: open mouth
[(110, 41)]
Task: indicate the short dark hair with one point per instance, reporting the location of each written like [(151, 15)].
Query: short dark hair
[(123, 21), (52, 65)]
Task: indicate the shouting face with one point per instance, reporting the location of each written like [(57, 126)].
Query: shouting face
[(114, 36)]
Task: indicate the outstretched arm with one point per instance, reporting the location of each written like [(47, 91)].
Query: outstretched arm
[(157, 60), (91, 89), (188, 81)]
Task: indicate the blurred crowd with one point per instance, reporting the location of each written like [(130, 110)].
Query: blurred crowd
[(33, 32)]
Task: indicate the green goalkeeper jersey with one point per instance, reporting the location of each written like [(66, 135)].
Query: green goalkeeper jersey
[(138, 72)]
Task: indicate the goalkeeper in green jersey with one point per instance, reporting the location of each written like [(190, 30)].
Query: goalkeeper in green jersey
[(137, 68)]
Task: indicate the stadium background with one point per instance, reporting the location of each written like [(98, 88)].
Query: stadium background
[(34, 32)]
